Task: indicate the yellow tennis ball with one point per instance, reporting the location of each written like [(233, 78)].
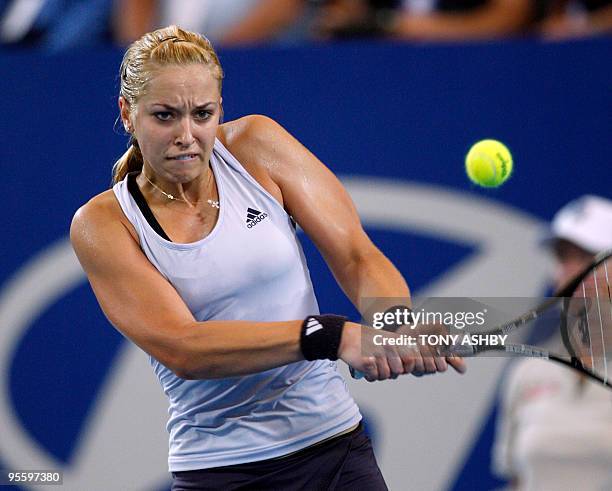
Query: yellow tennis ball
[(488, 163)]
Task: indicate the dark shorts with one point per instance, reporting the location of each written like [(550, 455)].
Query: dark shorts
[(345, 463)]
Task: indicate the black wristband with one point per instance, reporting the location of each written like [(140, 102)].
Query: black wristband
[(320, 336)]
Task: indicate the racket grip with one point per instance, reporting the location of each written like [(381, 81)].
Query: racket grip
[(356, 374), (459, 350)]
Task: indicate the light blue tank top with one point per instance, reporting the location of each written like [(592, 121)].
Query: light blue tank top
[(250, 267)]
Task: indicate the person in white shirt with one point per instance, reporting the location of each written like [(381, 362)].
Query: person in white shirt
[(554, 431)]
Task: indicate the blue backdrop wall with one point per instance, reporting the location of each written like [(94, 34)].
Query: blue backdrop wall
[(376, 114)]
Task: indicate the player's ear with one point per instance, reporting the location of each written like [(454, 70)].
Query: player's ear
[(124, 111)]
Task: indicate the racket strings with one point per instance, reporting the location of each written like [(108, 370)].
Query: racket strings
[(601, 323), (583, 324), (592, 329), (606, 316)]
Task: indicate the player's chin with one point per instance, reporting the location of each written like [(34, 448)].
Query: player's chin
[(182, 172)]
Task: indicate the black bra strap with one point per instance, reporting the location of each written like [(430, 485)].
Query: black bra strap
[(143, 205)]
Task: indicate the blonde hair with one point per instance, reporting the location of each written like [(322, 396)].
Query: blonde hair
[(168, 46)]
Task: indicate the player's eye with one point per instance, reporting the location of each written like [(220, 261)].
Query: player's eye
[(203, 114), (163, 115)]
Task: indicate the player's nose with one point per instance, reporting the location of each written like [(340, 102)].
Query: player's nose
[(184, 133)]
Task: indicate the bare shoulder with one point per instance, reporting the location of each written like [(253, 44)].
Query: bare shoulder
[(257, 141), (101, 204), (254, 129), (99, 211), (97, 222)]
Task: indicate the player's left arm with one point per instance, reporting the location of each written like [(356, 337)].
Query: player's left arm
[(318, 202)]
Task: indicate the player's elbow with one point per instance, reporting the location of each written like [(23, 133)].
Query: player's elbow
[(201, 351), (192, 357), (184, 374), (179, 361), (184, 368), (188, 370)]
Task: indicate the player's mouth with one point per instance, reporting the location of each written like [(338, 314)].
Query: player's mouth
[(187, 157)]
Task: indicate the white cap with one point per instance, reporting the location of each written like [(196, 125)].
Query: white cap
[(586, 222)]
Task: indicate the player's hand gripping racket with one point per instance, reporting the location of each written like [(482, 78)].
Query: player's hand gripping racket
[(585, 324)]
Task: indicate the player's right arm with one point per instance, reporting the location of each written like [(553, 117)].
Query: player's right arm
[(147, 309)]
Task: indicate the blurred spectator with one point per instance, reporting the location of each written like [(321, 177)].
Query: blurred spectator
[(231, 22), (133, 18), (457, 20), (222, 21), (466, 19), (313, 19), (554, 430), (55, 25), (354, 18), (268, 20), (441, 20), (577, 18)]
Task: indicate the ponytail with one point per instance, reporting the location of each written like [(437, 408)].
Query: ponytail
[(130, 161)]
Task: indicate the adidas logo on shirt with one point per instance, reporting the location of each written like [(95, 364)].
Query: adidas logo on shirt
[(254, 217)]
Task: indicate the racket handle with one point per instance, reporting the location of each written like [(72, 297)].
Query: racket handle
[(459, 350), (356, 374)]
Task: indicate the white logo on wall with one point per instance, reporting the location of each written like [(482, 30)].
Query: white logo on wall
[(123, 444)]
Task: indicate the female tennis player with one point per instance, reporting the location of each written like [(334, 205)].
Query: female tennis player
[(193, 256)]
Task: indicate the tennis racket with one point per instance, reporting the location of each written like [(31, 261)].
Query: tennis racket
[(585, 325)]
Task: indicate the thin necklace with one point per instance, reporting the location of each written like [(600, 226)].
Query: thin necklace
[(171, 197)]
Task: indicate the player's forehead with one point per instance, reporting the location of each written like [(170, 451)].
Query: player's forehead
[(179, 84)]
